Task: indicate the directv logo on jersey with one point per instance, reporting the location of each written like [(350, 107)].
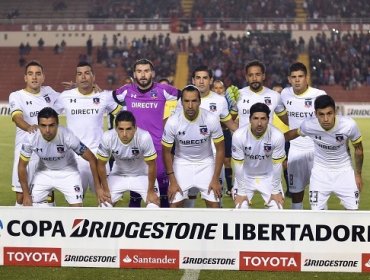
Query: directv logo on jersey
[(308, 102), (203, 129)]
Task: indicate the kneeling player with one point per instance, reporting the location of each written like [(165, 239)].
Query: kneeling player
[(57, 166), (134, 168), (258, 153)]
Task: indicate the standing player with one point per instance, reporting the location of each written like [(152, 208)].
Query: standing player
[(85, 111), (219, 88), (134, 168), (57, 167), (332, 170), (194, 165), (258, 153), (146, 100), (24, 107), (298, 100), (256, 92)]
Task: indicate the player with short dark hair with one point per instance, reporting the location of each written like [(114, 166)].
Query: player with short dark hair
[(332, 171), (194, 165), (57, 167), (299, 99), (25, 105), (135, 166), (258, 153), (146, 100)]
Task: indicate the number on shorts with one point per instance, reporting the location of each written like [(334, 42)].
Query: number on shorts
[(290, 179), (314, 196)]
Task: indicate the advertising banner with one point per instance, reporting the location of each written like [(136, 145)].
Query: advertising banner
[(227, 239)]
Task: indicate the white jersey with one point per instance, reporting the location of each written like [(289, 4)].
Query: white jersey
[(56, 154), (214, 103), (29, 105), (248, 97), (129, 158), (299, 108), (258, 154), (331, 146), (193, 138), (85, 114)]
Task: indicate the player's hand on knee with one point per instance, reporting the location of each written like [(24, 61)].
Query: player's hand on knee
[(278, 198), (27, 200), (239, 199), (172, 190), (216, 187), (103, 196), (152, 197)]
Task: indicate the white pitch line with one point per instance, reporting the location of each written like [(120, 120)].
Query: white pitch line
[(191, 274)]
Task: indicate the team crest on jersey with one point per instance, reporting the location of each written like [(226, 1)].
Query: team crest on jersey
[(212, 107), (203, 129), (135, 151), (153, 94), (267, 147), (47, 98), (339, 137), (60, 148), (96, 100), (308, 102), (77, 188), (268, 101)]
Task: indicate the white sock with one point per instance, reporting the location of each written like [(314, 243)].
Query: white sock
[(189, 203), (152, 205), (243, 206), (298, 205)]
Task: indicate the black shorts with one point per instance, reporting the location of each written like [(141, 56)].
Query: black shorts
[(228, 137)]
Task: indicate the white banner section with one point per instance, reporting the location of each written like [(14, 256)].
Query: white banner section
[(226, 239), (354, 110)]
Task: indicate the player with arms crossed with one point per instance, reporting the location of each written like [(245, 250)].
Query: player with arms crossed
[(135, 165), (332, 170), (299, 102), (85, 110), (194, 164), (24, 107), (146, 99), (258, 153), (57, 166)]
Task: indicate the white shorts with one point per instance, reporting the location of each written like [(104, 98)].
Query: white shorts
[(341, 182), (198, 176), (119, 184), (67, 182), (87, 179), (261, 184), (299, 169), (31, 168)]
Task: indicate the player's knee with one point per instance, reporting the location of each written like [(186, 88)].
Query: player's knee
[(243, 205), (152, 205)]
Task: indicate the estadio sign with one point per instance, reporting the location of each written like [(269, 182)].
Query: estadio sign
[(186, 239)]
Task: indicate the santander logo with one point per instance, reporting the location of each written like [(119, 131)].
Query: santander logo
[(131, 258)]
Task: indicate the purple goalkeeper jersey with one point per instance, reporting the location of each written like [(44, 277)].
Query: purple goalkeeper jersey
[(147, 106)]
